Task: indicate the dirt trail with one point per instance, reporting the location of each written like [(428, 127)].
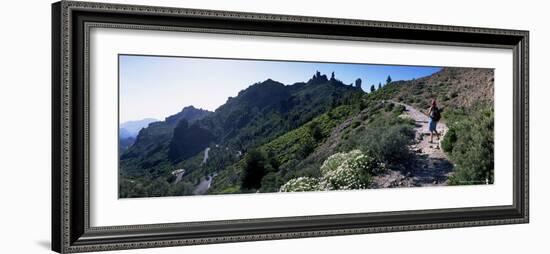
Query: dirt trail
[(430, 166)]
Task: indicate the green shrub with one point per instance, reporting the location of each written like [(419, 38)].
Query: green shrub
[(131, 188), (315, 131), (158, 188), (182, 188), (306, 146), (389, 107), (256, 166), (271, 182), (449, 140), (470, 144), (399, 109), (388, 144)]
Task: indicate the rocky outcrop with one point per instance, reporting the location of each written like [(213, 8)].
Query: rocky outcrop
[(358, 83)]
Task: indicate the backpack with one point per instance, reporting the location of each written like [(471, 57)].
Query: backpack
[(435, 115)]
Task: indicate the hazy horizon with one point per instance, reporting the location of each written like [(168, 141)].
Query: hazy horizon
[(157, 86)]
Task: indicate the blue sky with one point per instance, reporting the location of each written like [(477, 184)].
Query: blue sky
[(157, 87)]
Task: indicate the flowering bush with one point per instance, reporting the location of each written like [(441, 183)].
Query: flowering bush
[(337, 159), (345, 177), (340, 171), (300, 184), (362, 162)]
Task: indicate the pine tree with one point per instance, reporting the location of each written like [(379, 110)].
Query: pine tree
[(379, 85), (372, 88), (388, 80)]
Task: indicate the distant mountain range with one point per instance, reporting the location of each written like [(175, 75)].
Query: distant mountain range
[(131, 129), (128, 131)]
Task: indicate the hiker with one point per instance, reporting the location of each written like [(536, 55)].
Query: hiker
[(434, 115)]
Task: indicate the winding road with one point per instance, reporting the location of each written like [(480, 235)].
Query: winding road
[(206, 181), (204, 185), (205, 158)]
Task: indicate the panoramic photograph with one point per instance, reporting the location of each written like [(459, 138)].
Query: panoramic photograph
[(205, 126)]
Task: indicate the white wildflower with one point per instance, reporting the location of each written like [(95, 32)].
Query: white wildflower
[(300, 184), (340, 171)]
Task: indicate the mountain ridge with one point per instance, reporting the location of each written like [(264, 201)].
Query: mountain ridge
[(451, 87), (258, 113)]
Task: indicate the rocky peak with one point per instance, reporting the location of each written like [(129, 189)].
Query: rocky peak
[(319, 78)]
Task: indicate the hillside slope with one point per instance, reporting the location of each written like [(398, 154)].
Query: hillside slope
[(451, 87), (258, 114), (383, 126), (152, 143)]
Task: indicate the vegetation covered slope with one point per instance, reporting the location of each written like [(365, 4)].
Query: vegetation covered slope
[(255, 116), (452, 87), (153, 142), (309, 135), (374, 126), (300, 153), (466, 97)]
